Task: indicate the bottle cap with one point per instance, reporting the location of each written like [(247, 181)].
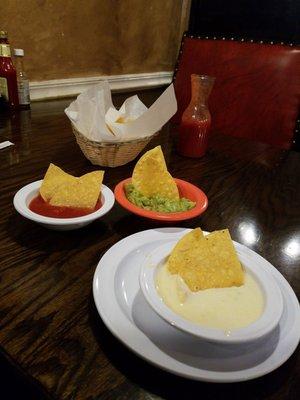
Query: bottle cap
[(3, 35), (19, 52)]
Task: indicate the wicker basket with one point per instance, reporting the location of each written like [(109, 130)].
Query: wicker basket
[(110, 154)]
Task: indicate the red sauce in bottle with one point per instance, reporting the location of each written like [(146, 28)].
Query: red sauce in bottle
[(195, 122), (193, 137), (8, 76), (41, 207)]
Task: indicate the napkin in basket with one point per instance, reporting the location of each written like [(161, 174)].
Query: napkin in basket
[(94, 115)]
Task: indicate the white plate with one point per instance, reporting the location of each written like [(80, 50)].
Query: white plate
[(24, 196), (259, 328), (128, 316)]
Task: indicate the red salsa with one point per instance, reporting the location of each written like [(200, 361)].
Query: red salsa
[(193, 137), (40, 206)]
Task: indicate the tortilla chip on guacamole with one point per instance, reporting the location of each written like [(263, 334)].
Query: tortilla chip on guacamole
[(151, 177)]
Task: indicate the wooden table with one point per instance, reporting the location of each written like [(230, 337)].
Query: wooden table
[(50, 330)]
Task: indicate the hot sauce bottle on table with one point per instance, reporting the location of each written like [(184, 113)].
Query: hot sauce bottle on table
[(8, 77), (195, 122)]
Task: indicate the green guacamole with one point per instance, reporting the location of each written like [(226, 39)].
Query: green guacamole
[(157, 203)]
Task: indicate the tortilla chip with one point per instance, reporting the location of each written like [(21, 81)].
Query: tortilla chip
[(151, 177), (224, 258), (81, 193), (206, 262), (181, 251), (53, 178)]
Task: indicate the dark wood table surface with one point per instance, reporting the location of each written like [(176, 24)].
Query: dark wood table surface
[(51, 336)]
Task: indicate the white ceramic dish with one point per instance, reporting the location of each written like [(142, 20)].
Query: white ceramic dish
[(23, 197), (273, 304), (128, 316)]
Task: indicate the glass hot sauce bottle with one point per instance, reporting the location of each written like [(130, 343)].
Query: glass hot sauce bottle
[(195, 122), (22, 80), (8, 77)]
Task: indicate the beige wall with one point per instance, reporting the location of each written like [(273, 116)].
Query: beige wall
[(75, 38)]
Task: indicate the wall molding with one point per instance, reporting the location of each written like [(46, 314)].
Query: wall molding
[(73, 86)]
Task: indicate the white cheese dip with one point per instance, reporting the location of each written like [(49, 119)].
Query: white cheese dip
[(222, 308)]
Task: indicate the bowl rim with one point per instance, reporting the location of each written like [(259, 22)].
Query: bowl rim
[(200, 207), (261, 327), (31, 190)]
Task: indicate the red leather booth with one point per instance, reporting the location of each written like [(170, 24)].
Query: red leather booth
[(257, 88)]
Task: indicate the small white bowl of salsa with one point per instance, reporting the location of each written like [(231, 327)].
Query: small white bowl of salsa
[(253, 309), (28, 202)]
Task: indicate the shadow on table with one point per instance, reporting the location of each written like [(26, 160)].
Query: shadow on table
[(168, 386), (31, 235), (130, 224), (14, 384)]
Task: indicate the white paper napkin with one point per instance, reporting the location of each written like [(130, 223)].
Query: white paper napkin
[(7, 143), (95, 116)]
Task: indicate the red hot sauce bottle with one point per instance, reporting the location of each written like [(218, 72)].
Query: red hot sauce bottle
[(8, 77), (195, 122)]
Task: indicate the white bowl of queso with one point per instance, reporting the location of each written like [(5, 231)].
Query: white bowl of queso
[(24, 196), (226, 315)]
